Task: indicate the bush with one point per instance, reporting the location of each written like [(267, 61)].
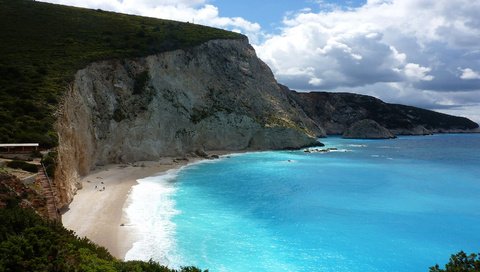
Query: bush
[(50, 170), (29, 243), (460, 262), (49, 162), (16, 164), (141, 81), (36, 154), (118, 115)]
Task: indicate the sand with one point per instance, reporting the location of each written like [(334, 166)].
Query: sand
[(97, 213)]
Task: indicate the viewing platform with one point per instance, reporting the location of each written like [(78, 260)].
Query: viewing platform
[(18, 148)]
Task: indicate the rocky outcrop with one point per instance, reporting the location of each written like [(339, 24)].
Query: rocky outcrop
[(336, 112), (218, 95), (367, 129), (13, 190)]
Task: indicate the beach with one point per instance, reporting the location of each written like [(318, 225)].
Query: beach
[(96, 211)]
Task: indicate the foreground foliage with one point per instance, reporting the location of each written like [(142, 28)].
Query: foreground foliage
[(43, 45), (460, 262), (17, 164), (30, 243)]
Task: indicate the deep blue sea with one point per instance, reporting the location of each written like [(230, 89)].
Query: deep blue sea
[(373, 205)]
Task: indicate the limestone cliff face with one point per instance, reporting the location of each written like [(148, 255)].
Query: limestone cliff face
[(218, 95)]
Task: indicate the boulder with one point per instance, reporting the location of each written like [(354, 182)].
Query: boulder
[(201, 153)]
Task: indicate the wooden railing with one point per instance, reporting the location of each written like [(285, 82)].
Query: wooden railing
[(57, 211)]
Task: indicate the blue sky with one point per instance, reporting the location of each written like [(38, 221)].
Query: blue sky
[(269, 14), (423, 53)]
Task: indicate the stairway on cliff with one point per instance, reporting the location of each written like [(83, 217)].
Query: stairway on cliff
[(50, 194)]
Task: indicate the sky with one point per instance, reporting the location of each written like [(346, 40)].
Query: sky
[(424, 53)]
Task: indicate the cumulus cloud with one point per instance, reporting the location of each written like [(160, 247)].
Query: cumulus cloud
[(416, 72), (468, 74), (406, 41)]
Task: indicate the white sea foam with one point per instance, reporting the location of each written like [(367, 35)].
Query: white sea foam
[(324, 151), (150, 210), (357, 145), (341, 150), (389, 147)]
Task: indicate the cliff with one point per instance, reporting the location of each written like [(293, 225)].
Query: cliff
[(43, 45), (367, 129), (336, 112), (218, 95)]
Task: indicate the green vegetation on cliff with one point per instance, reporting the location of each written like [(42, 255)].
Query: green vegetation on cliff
[(30, 243), (43, 45)]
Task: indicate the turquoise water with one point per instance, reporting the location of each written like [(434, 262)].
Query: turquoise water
[(373, 205)]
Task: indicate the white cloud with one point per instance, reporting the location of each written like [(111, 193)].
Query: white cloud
[(468, 74), (420, 42), (416, 72)]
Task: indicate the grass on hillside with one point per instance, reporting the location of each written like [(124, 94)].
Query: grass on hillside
[(43, 45)]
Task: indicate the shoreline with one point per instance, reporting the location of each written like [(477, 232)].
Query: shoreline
[(99, 214)]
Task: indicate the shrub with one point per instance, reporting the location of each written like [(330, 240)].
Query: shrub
[(460, 262), (36, 154), (29, 243), (49, 163), (118, 115), (141, 34), (16, 164), (141, 81)]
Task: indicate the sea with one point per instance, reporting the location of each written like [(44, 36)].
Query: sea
[(403, 204)]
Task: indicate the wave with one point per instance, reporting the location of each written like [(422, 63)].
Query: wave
[(150, 210), (357, 145)]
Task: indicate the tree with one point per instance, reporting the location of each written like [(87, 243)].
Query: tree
[(460, 262)]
